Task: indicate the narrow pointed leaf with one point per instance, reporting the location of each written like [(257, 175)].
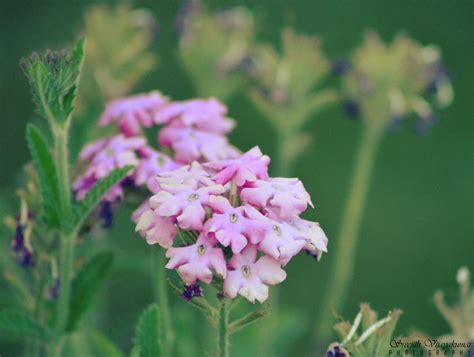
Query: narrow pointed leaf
[(146, 342), (83, 208), (19, 324), (46, 170), (86, 284)]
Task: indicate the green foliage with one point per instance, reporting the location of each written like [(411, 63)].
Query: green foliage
[(374, 338), (84, 207), (19, 324), (389, 80), (102, 346), (53, 78), (85, 286), (118, 50), (212, 63), (47, 175), (146, 342)]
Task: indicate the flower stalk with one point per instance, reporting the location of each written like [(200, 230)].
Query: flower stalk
[(223, 347), (161, 297), (343, 261)]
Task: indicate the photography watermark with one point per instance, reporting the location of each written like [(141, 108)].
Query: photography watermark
[(430, 347)]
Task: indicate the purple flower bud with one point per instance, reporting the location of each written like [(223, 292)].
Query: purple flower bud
[(18, 239), (191, 291), (54, 289), (25, 258), (340, 66), (106, 215), (422, 126), (351, 108)]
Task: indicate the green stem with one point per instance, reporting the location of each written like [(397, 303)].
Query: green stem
[(62, 160), (161, 296), (343, 256), (65, 272), (223, 347)]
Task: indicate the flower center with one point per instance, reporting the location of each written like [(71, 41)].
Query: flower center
[(202, 249), (277, 230), (109, 152), (193, 197), (246, 271), (161, 161), (233, 217)]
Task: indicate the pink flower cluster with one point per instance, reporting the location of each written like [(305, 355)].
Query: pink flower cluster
[(233, 221), (194, 130)]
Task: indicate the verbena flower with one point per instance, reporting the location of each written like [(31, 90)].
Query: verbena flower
[(247, 224), (204, 114), (195, 262), (152, 163), (232, 226), (250, 277), (133, 113), (191, 144), (287, 195), (247, 168)]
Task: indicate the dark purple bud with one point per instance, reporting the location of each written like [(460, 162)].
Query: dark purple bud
[(422, 126), (18, 239), (191, 291), (25, 258), (395, 124), (335, 350), (351, 108), (54, 289), (340, 66), (106, 215)]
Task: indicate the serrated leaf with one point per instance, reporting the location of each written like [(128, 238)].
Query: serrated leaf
[(146, 342), (18, 323), (86, 284), (46, 170), (84, 207)]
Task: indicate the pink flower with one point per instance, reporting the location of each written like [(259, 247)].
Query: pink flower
[(282, 241), (185, 203), (248, 167), (133, 113), (156, 229), (193, 145), (112, 153), (230, 226), (151, 164), (195, 262), (104, 156), (287, 195), (190, 175), (203, 114), (313, 234), (250, 278)]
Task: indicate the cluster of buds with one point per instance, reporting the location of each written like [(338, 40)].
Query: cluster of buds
[(193, 130), (384, 83), (233, 221), (21, 244)]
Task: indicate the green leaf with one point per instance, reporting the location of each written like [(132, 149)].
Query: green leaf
[(53, 78), (18, 323), (86, 284), (146, 342), (46, 170), (102, 346), (84, 207)]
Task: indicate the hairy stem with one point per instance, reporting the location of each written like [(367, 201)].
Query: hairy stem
[(343, 255), (223, 340), (62, 161), (160, 289)]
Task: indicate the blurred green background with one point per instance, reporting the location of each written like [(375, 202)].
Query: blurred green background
[(418, 228)]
